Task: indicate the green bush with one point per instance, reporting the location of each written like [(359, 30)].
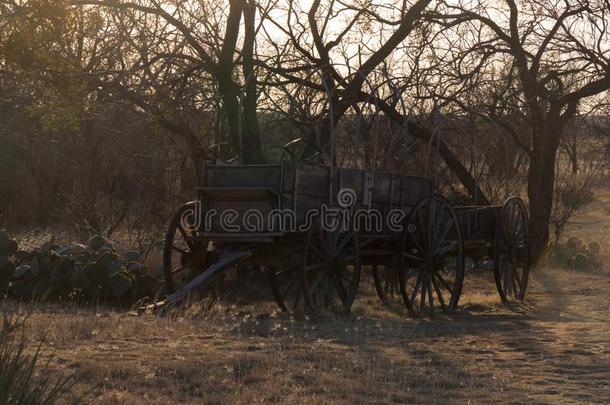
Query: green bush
[(93, 273), (575, 254), (24, 379)]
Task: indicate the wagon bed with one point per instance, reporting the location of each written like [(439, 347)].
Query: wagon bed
[(299, 188)]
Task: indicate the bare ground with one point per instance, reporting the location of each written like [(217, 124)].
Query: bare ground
[(554, 348)]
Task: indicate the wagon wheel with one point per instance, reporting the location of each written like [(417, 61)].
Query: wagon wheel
[(328, 276), (185, 256), (332, 268), (512, 250), (431, 257), (387, 282), (287, 286)]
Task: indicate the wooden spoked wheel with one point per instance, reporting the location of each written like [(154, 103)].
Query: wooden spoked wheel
[(387, 282), (332, 267), (288, 287), (185, 256), (328, 276), (431, 257), (512, 250)]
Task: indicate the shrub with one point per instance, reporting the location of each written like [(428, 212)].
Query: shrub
[(24, 379), (572, 193), (577, 255)]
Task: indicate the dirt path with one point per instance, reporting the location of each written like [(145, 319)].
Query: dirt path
[(554, 348)]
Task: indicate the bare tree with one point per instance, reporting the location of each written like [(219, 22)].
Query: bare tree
[(543, 58), (181, 43), (346, 66)]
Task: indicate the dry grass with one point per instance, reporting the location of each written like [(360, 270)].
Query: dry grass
[(553, 348)]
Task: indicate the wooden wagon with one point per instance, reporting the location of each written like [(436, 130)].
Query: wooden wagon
[(315, 226)]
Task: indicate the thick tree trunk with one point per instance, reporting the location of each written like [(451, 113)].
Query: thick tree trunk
[(540, 177), (240, 109), (252, 151), (231, 110), (541, 185), (229, 90), (574, 159)]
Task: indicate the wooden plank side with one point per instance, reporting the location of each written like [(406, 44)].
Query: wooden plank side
[(267, 176), (382, 188), (478, 222), (352, 179), (414, 188), (238, 216), (311, 180)]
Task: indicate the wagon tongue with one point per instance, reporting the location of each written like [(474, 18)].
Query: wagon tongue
[(229, 257)]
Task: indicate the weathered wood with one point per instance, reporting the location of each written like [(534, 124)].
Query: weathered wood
[(228, 257)]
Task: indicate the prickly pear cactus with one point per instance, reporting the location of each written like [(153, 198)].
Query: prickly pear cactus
[(92, 274), (575, 254)]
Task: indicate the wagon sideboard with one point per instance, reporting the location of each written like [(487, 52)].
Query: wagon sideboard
[(300, 188)]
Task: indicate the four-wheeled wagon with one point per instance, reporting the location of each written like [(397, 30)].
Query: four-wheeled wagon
[(315, 227)]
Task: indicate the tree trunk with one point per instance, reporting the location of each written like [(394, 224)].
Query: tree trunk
[(252, 151), (574, 159), (541, 199), (231, 110), (229, 90), (541, 185)]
